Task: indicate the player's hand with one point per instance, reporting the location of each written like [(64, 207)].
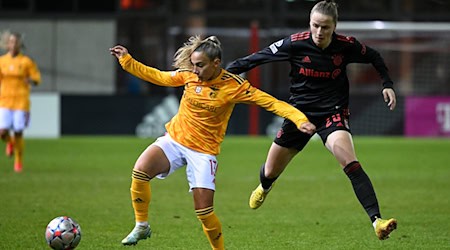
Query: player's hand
[(389, 98), (118, 51), (30, 81), (308, 128)]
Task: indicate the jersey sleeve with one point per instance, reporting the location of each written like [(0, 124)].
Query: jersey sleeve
[(277, 51), (248, 94), (365, 54), (150, 74), (34, 73)]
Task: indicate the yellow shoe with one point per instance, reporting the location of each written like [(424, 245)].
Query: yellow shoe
[(258, 196), (385, 227)]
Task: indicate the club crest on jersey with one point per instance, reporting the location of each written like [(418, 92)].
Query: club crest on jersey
[(363, 49), (336, 73), (274, 46), (280, 133), (337, 59), (198, 89), (213, 92)]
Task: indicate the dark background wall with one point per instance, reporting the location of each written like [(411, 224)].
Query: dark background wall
[(106, 115)]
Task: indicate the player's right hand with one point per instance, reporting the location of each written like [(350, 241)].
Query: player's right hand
[(118, 51), (307, 127)]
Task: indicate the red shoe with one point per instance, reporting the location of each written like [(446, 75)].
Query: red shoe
[(18, 167), (9, 149)]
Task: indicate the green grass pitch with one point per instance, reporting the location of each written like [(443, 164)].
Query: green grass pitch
[(312, 206)]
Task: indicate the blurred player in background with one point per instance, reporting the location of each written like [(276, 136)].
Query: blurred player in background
[(17, 74), (195, 133), (320, 88)]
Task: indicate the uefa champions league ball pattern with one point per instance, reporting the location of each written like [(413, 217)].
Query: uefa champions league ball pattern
[(63, 233)]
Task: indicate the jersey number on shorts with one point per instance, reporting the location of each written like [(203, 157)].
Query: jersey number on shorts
[(334, 119), (214, 166)]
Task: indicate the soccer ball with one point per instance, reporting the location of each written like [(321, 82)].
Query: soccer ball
[(63, 233)]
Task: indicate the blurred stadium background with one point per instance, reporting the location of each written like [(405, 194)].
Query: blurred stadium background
[(85, 92)]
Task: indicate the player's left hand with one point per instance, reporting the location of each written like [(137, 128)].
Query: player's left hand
[(30, 81), (118, 51), (389, 97), (307, 127)]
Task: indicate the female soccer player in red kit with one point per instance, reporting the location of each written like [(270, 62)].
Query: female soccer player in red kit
[(195, 133), (320, 88)]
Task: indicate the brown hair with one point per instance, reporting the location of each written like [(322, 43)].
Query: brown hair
[(327, 7)]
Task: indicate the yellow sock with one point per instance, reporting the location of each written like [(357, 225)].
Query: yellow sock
[(140, 194), (19, 146), (211, 227)]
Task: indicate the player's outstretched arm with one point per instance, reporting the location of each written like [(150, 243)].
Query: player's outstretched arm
[(389, 98)]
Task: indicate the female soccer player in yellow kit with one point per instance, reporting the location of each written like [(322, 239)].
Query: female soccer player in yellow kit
[(195, 133), (17, 73)]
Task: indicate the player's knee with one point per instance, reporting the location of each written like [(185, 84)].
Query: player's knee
[(3, 133)]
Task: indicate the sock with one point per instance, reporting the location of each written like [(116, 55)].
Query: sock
[(140, 195), (19, 146), (363, 189), (266, 183), (211, 227), (374, 224), (142, 223)]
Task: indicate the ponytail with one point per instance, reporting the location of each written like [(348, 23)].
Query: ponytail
[(211, 46)]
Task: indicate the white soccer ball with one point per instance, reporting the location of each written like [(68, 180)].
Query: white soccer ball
[(63, 233)]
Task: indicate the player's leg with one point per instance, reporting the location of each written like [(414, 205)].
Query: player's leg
[(277, 160), (19, 147), (6, 122), (152, 162), (204, 209), (340, 144), (201, 172), (20, 122), (288, 142), (9, 151)]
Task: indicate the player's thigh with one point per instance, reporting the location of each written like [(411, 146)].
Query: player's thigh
[(20, 120), (152, 161), (6, 118), (173, 159), (201, 170), (340, 144)]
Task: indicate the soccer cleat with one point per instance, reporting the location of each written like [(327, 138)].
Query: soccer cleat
[(258, 196), (9, 149), (383, 228), (18, 167), (138, 233)]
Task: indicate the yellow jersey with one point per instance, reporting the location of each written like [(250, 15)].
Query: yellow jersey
[(14, 86), (206, 107)]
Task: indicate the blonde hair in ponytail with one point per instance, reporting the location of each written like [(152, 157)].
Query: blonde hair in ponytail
[(4, 38), (210, 46)]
